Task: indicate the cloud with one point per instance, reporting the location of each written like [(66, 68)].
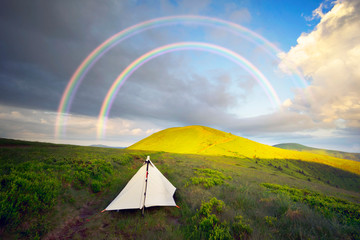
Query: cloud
[(240, 16), (43, 49), (329, 56), (170, 7), (320, 11), (35, 125), (179, 96), (274, 123), (43, 44), (28, 85), (194, 7)]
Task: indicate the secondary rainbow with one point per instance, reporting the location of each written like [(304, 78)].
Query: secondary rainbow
[(130, 69), (97, 53)]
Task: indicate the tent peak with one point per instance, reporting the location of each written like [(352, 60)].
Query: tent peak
[(147, 161)]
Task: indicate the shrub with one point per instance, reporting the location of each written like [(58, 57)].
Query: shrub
[(241, 230), (220, 232), (122, 159), (208, 177), (270, 220), (96, 186), (25, 193), (345, 211), (206, 224), (31, 187)]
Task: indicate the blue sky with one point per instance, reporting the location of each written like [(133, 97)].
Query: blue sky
[(281, 21), (43, 43)]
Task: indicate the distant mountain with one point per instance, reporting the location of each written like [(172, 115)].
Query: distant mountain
[(333, 153), (209, 141)]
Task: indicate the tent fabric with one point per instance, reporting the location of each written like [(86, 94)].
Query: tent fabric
[(159, 191)]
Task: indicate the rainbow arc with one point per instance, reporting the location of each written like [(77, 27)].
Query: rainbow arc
[(199, 46), (82, 70)]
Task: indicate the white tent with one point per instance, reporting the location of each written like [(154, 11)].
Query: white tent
[(147, 188)]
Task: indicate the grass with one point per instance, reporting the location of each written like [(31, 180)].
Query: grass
[(51, 190), (302, 148), (208, 177), (209, 141), (347, 212)]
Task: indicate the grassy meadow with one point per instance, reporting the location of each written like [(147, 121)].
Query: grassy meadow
[(302, 148), (208, 141), (50, 191)]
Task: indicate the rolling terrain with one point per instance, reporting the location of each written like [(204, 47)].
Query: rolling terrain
[(302, 148), (208, 141), (51, 191)]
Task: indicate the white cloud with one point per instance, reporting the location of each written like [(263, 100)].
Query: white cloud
[(319, 12), (330, 57), (35, 125)]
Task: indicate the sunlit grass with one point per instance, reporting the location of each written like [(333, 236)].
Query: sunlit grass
[(208, 141), (249, 210)]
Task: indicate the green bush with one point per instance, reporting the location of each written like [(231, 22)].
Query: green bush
[(31, 180), (26, 193), (96, 186), (344, 211), (220, 232), (241, 230), (206, 223), (270, 220), (208, 177), (122, 159)]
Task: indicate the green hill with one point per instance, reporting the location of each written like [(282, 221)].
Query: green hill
[(209, 141), (52, 191), (302, 148)]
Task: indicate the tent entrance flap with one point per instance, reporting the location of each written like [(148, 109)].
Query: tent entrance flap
[(147, 188)]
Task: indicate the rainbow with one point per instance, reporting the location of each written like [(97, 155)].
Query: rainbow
[(130, 69), (97, 53)]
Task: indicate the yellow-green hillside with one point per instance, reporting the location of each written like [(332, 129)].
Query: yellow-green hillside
[(209, 141)]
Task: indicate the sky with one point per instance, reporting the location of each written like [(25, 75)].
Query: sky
[(271, 71)]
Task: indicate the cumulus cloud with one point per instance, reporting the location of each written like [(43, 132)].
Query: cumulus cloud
[(319, 12), (43, 44), (329, 56)]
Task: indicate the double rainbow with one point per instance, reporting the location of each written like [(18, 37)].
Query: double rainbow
[(200, 46), (78, 76)]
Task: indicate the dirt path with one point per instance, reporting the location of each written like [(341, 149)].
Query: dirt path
[(74, 226)]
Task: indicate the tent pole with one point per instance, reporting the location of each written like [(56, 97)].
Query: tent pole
[(146, 181)]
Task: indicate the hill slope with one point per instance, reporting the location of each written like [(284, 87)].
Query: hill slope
[(51, 191), (302, 148), (209, 141)]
